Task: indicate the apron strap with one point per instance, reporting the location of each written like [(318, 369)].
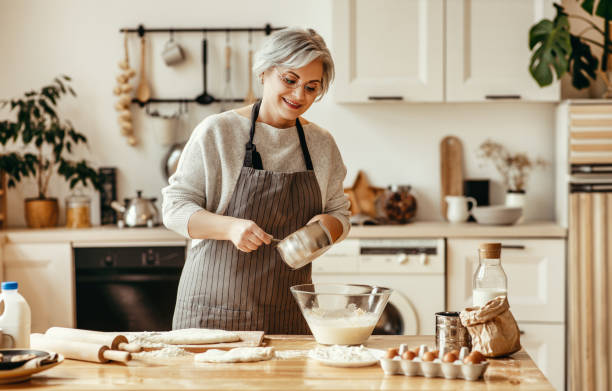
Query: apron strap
[(252, 158), (302, 137)]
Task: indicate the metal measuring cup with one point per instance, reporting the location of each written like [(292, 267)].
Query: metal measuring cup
[(304, 245), (450, 333)]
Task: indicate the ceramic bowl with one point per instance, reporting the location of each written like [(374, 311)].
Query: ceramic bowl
[(497, 214)]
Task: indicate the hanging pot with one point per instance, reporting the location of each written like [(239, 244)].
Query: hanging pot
[(41, 212)]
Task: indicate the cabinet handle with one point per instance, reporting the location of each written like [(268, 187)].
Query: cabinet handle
[(385, 97), (521, 332), (513, 246), (494, 97)]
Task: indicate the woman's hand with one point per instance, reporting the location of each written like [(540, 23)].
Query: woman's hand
[(247, 236)]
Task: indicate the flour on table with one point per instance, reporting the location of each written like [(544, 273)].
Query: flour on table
[(289, 354), (235, 355), (182, 337), (343, 354), (167, 352)]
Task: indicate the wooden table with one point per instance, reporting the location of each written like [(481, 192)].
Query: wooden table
[(516, 373)]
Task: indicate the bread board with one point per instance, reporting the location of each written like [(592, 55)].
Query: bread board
[(451, 170), (247, 339)]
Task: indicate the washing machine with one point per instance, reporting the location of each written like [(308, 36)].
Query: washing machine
[(413, 268)]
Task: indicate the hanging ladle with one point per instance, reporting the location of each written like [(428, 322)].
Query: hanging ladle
[(204, 98)]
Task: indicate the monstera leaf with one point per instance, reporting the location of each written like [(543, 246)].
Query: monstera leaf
[(582, 63), (552, 39), (604, 8)]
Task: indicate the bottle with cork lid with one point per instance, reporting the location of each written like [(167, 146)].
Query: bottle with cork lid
[(490, 279)]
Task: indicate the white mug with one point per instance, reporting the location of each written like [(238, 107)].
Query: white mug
[(172, 53), (458, 210)]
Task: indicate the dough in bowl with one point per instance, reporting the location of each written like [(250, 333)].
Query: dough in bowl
[(235, 355)]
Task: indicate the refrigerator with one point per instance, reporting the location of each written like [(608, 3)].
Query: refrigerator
[(584, 206)]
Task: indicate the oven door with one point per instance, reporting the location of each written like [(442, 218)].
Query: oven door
[(127, 288)]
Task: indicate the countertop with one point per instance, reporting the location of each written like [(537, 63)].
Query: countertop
[(516, 373), (161, 235)]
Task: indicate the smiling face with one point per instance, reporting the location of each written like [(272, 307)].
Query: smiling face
[(289, 92)]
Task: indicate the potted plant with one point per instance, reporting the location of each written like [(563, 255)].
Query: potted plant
[(38, 143), (514, 169), (555, 49)]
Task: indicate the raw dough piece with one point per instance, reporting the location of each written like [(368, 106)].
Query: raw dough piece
[(185, 337), (235, 355)]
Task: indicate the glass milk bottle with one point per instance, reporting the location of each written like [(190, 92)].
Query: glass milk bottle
[(16, 318), (490, 279)]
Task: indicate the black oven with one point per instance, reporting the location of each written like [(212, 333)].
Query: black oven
[(127, 288)]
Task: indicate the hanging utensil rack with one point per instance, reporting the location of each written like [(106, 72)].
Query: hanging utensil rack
[(141, 31)]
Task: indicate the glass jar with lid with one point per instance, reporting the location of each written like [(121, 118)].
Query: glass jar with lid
[(490, 279), (78, 211), (396, 204)]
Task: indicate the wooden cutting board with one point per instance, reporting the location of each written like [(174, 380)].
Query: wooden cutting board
[(247, 339), (451, 169)]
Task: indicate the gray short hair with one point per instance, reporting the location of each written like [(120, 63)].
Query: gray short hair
[(295, 47)]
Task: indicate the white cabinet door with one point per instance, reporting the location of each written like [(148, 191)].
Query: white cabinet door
[(535, 270), (388, 50), (45, 275), (487, 50), (545, 343)]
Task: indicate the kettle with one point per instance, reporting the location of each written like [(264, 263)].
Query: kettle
[(138, 212)]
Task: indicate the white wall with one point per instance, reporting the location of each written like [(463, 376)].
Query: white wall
[(393, 143)]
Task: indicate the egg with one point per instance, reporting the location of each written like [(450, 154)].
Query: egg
[(436, 353), (429, 356), (392, 352), (408, 355), (449, 357), (474, 358)]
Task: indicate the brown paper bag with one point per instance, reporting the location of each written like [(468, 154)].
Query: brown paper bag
[(493, 329)]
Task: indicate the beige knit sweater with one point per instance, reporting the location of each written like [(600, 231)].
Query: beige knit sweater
[(212, 160)]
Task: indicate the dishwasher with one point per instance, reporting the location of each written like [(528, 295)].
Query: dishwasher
[(127, 287)]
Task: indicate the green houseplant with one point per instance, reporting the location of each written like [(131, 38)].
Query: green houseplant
[(555, 49), (37, 143)]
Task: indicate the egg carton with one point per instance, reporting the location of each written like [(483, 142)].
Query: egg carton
[(436, 368)]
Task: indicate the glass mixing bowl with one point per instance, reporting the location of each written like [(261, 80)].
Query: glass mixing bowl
[(341, 314)]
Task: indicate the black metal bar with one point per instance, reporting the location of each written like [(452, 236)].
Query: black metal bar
[(494, 97), (141, 30), (590, 187), (595, 168), (182, 100), (513, 246), (385, 97)]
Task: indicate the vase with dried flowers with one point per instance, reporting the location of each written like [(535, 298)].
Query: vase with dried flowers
[(514, 169)]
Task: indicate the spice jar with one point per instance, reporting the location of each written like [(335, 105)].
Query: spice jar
[(78, 211), (396, 204)]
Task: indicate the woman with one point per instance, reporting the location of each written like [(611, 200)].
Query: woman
[(253, 174)]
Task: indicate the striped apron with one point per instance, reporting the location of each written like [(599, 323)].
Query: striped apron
[(224, 288)]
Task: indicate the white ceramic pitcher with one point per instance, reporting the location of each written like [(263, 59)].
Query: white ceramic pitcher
[(459, 209)]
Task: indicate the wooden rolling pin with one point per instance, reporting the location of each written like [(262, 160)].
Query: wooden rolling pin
[(78, 350), (115, 341)]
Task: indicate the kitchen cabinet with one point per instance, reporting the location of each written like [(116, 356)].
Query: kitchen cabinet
[(45, 274), (436, 50), (487, 50), (388, 49), (545, 344), (536, 291)]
